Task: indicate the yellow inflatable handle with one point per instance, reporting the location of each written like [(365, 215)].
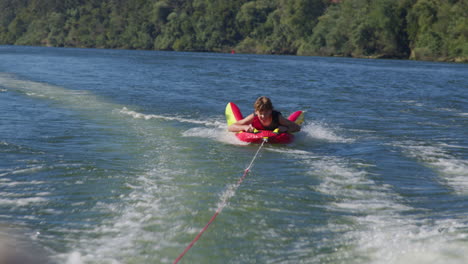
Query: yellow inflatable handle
[(233, 114)]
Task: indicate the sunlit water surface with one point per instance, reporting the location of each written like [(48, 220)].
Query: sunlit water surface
[(113, 156)]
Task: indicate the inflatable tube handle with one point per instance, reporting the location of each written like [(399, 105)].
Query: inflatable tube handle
[(233, 114), (297, 117)]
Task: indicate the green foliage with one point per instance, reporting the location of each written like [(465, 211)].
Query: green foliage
[(251, 16), (439, 30), (418, 29), (362, 28)]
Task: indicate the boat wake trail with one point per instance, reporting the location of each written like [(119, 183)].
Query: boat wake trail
[(321, 131), (372, 223), (137, 115), (453, 171)]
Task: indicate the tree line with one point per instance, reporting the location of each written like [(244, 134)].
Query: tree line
[(414, 29)]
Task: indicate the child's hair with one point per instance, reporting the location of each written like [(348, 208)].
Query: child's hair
[(263, 103)]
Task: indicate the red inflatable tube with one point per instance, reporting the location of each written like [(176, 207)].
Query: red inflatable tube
[(233, 114)]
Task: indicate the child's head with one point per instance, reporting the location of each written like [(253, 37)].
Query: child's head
[(262, 104)]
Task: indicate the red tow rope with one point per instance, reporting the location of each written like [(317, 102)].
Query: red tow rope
[(221, 206)]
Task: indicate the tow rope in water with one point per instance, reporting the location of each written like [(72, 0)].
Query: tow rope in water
[(222, 204)]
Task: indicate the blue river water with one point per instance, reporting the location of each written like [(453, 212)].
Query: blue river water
[(116, 156)]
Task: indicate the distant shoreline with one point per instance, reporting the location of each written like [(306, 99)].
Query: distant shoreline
[(374, 57), (387, 29)]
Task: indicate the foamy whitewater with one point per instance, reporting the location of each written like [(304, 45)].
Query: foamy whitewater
[(114, 156)]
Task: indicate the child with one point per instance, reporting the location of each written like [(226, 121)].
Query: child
[(264, 118)]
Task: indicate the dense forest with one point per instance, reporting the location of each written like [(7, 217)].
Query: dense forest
[(415, 29)]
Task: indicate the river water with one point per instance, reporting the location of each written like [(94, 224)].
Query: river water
[(116, 156)]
